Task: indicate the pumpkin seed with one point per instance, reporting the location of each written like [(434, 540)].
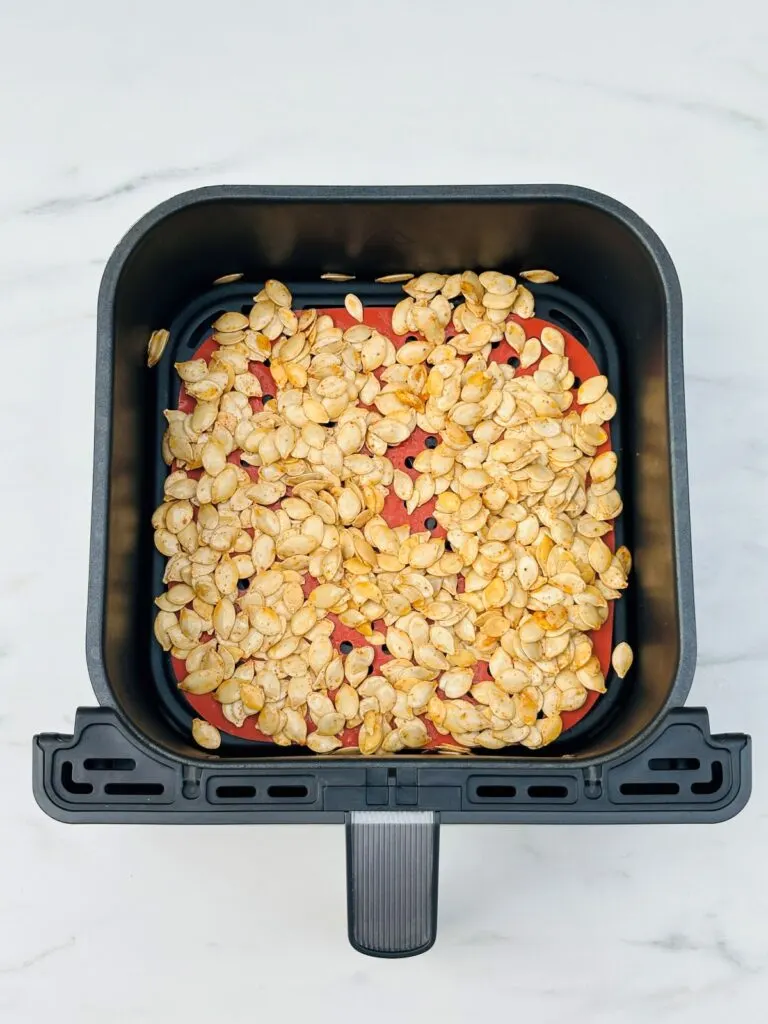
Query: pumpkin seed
[(205, 734), (622, 659), (353, 306), (278, 293), (229, 323), (156, 346), (592, 389), (539, 276), (393, 278), (530, 353)]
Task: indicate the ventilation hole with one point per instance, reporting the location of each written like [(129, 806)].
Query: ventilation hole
[(331, 423), (495, 792), (68, 780), (570, 325), (674, 764), (109, 764), (411, 338), (448, 546), (577, 382), (134, 788), (266, 363), (495, 344), (384, 649), (236, 792), (513, 361), (242, 584), (392, 773), (370, 670), (649, 788), (266, 398), (430, 441), (287, 792), (714, 784), (345, 646), (547, 792), (198, 336), (430, 522), (409, 461)]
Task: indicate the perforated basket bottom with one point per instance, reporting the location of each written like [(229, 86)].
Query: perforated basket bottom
[(583, 366)]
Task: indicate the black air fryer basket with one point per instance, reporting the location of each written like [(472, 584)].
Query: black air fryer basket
[(639, 756)]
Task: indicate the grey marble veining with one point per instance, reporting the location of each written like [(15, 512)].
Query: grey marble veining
[(105, 110)]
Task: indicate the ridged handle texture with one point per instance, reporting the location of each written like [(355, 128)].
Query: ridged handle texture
[(392, 861)]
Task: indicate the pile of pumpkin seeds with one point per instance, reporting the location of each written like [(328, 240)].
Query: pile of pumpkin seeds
[(257, 569)]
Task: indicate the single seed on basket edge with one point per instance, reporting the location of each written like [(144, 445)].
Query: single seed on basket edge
[(622, 659), (156, 346)]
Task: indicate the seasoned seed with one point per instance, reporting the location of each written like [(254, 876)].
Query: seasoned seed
[(205, 734), (201, 681), (539, 276), (228, 323), (592, 389), (156, 346), (278, 293), (322, 744)]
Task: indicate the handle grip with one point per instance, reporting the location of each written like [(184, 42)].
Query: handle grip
[(392, 870)]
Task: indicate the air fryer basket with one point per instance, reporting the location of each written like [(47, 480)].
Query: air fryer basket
[(639, 755)]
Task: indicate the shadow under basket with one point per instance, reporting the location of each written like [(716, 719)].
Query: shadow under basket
[(638, 756)]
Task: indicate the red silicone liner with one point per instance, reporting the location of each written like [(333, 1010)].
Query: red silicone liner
[(582, 365)]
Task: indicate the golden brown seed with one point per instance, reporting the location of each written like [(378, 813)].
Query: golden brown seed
[(156, 346), (228, 323), (592, 389), (278, 293), (205, 734), (523, 305), (201, 681), (400, 316), (622, 659), (539, 276), (322, 744), (603, 467)]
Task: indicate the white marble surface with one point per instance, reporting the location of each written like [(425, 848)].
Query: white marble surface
[(106, 109)]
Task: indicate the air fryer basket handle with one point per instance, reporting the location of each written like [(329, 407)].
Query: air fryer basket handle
[(392, 861)]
